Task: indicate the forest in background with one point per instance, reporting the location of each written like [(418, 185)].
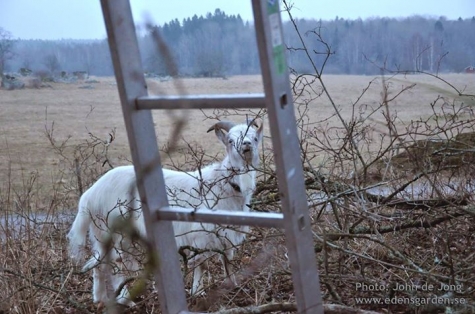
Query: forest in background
[(221, 45)]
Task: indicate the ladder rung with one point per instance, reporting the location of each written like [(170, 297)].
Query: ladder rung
[(201, 101), (223, 217)]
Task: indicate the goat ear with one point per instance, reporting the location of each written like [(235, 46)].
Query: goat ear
[(252, 122), (260, 130)]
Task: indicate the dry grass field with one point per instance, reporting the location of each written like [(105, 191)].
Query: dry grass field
[(75, 112), (35, 177)]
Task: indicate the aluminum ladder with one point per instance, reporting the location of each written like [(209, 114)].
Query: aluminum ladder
[(136, 107)]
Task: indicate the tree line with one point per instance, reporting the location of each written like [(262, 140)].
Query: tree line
[(219, 45)]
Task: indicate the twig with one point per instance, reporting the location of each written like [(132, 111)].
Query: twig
[(38, 285)]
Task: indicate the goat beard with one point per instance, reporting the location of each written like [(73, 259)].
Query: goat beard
[(250, 158)]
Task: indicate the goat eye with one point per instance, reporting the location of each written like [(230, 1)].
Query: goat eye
[(255, 139), (230, 141)]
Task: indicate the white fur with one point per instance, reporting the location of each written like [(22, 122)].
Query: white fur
[(115, 195)]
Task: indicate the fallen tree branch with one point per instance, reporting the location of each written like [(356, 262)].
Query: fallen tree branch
[(413, 224), (421, 203), (292, 307)]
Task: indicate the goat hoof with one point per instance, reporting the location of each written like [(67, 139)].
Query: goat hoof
[(198, 293), (126, 302)]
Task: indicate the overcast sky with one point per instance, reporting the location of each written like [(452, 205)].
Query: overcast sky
[(82, 19)]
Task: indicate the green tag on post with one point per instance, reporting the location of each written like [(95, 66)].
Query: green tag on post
[(276, 35)]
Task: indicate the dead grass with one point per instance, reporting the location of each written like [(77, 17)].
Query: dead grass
[(75, 112)]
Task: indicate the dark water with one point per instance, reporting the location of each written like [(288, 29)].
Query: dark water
[(21, 225)]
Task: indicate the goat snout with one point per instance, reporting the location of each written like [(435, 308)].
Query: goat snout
[(246, 146)]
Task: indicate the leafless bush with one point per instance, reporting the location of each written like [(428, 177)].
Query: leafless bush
[(35, 270), (391, 199), (44, 76), (81, 164), (33, 263), (32, 82)]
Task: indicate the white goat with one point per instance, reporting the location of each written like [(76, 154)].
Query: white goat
[(224, 185)]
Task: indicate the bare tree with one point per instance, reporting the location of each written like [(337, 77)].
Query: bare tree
[(52, 63), (6, 48)]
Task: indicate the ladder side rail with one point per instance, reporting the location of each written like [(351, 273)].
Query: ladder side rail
[(144, 149), (285, 142)]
